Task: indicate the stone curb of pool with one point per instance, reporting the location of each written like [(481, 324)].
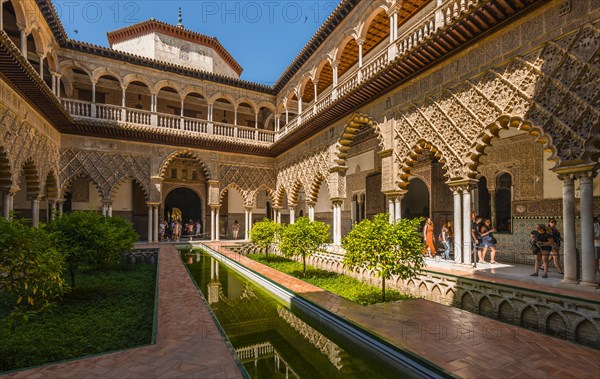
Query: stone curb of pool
[(351, 331)]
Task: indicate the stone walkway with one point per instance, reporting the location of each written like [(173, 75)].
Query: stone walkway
[(463, 343), (188, 343)]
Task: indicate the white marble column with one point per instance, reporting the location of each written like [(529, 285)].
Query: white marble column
[(212, 223), (311, 211), (24, 43), (217, 224), (249, 221), (149, 223), (246, 235), (391, 209), (42, 57), (337, 227), (292, 215), (466, 218), (588, 258), (60, 207), (155, 222), (103, 209), (457, 227), (398, 207), (569, 243), (35, 212)]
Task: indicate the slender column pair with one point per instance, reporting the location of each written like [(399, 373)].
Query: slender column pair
[(588, 259)]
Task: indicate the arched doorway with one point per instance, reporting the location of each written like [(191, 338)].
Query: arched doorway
[(416, 199), (185, 200)]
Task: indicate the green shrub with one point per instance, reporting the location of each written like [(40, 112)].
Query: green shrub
[(30, 266), (89, 238)]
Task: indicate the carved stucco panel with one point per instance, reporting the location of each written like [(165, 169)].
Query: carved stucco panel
[(105, 169), (23, 142)]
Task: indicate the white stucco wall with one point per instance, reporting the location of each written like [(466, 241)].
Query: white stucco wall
[(123, 197), (366, 162), (94, 203), (142, 45), (323, 202), (235, 202)]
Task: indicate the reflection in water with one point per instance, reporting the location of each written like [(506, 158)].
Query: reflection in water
[(269, 339)]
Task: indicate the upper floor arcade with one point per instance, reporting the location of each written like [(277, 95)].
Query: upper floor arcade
[(363, 50)]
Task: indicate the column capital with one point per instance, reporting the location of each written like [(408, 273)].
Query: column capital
[(395, 193), (338, 168), (576, 169), (360, 41), (336, 200), (311, 203), (462, 185)]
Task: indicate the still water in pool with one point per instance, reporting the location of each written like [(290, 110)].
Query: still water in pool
[(270, 340)]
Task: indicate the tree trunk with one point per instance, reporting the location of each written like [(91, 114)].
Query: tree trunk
[(383, 289), (267, 253), (303, 265)]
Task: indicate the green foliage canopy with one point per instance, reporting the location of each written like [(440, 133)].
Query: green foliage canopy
[(90, 238), (30, 266), (303, 238), (384, 248), (264, 233)]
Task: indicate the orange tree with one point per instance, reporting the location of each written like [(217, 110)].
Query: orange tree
[(384, 248), (264, 233), (303, 238)]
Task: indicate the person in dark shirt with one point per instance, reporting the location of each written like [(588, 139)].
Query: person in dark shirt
[(544, 240)]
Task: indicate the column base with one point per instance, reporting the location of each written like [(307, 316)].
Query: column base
[(463, 266), (569, 281), (592, 285)]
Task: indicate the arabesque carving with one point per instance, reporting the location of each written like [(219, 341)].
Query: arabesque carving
[(549, 93), (106, 170)]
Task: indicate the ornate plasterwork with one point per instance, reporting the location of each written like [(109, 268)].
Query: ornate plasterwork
[(550, 93), (105, 169), (24, 141), (521, 157), (248, 180), (307, 171)]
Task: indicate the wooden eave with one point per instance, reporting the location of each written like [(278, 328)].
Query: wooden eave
[(409, 65), (21, 77)]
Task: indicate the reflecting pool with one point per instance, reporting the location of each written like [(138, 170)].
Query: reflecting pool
[(270, 340)]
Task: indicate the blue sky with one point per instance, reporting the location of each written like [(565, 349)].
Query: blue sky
[(263, 36)]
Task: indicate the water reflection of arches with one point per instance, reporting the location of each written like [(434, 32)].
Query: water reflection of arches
[(185, 199)]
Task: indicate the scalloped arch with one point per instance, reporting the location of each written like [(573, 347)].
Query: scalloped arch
[(353, 126), (140, 183), (165, 164), (236, 187), (408, 162), (492, 131)]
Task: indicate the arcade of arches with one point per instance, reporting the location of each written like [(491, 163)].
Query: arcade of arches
[(508, 130)]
